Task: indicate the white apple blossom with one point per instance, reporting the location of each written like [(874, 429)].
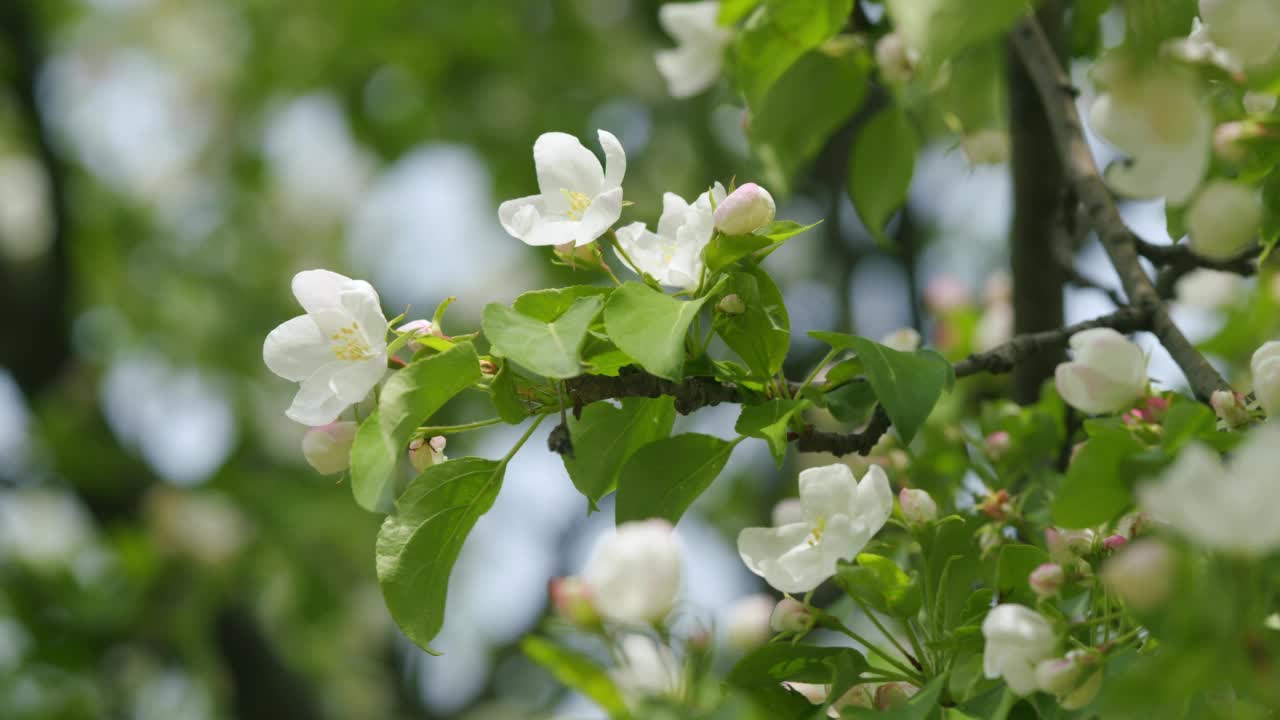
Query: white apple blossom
[(578, 199), (989, 146), (1229, 506), (840, 516), (425, 452), (327, 448), (694, 64), (1046, 580), (787, 511), (1017, 639), (1156, 115), (673, 255), (791, 615), (1141, 573), (745, 210), (634, 572), (1209, 289), (1248, 29), (1108, 374), (1265, 366), (1230, 407), (337, 351), (645, 669), (1223, 219)]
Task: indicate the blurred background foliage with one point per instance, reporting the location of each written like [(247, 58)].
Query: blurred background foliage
[(167, 165)]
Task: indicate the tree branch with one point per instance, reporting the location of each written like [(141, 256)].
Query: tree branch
[(1178, 260), (1058, 96), (1004, 358), (691, 394)]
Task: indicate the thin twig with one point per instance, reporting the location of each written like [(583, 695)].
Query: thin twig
[(1053, 86)]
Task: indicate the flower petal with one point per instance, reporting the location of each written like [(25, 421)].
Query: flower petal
[(827, 490), (315, 403), (563, 164), (296, 349), (692, 22), (553, 232), (353, 382), (763, 551), (674, 210), (615, 159), (874, 502), (688, 69), (361, 302), (604, 211), (519, 217), (318, 290)]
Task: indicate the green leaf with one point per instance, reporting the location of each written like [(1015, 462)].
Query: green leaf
[(731, 11), (651, 327), (851, 403), (607, 436), (775, 37), (724, 250), (419, 543), (505, 398), (549, 349), (1012, 569), (410, 397), (663, 478), (1270, 212), (576, 672), (1095, 490), (880, 168), (761, 334), (548, 305), (813, 100), (880, 583), (768, 421), (1186, 421), (1149, 23), (906, 384), (939, 29), (778, 662), (1086, 27), (809, 21)]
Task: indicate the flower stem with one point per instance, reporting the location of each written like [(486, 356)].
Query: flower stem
[(523, 439), (430, 430), (885, 632), (817, 369), (832, 623)]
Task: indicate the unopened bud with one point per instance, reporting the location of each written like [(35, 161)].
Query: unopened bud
[(1223, 219), (327, 448), (418, 329), (424, 453), (1067, 545), (488, 367), (1230, 408), (998, 444), (894, 694), (986, 147), (858, 696), (1132, 525), (1114, 542), (749, 622), (745, 210), (791, 616), (571, 597), (996, 505), (903, 340), (731, 304), (1232, 140), (896, 61), (1046, 580), (1141, 574), (1074, 679), (918, 506)]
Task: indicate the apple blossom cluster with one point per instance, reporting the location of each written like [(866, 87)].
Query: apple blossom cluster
[(1033, 552)]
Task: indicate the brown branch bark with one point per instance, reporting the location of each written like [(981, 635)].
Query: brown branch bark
[(1006, 357), (1058, 97)]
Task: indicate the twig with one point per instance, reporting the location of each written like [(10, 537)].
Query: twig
[(1177, 261), (812, 440), (1003, 358), (1052, 83)]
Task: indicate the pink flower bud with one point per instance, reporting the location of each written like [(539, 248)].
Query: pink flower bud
[(1230, 408), (417, 329), (1232, 140), (327, 448), (791, 616), (858, 696), (571, 598), (1114, 542), (745, 210), (894, 694), (1141, 574), (1046, 580), (946, 292), (917, 506), (1074, 679), (1067, 545), (998, 444), (425, 453)]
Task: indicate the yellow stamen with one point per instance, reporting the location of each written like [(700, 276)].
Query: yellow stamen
[(578, 203), (350, 345)]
